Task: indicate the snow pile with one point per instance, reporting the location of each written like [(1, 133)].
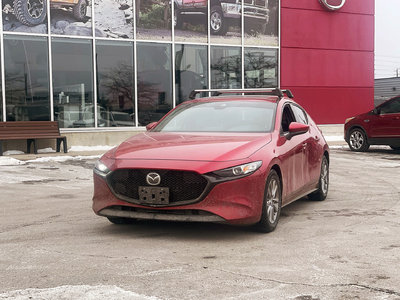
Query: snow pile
[(12, 152), (9, 161), (82, 292)]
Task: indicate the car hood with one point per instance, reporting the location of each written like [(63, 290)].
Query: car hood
[(187, 146)]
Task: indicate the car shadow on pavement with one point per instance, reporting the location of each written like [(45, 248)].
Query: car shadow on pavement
[(200, 231)]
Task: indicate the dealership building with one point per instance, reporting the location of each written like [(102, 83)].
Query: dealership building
[(110, 67)]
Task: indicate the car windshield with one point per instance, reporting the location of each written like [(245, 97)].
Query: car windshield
[(221, 116)]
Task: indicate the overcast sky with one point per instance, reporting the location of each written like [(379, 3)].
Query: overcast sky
[(387, 38)]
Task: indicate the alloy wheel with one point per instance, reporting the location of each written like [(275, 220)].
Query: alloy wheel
[(357, 139), (35, 8), (215, 21), (272, 200)]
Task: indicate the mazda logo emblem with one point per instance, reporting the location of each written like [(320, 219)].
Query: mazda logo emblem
[(338, 4), (153, 179)]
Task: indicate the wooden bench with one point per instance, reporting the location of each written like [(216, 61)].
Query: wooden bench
[(31, 131)]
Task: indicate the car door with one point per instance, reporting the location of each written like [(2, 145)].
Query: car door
[(291, 156), (386, 123), (309, 143)]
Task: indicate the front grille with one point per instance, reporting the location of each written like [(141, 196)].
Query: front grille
[(183, 185)]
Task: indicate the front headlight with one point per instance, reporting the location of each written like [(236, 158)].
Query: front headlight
[(240, 170), (101, 169), (348, 120)]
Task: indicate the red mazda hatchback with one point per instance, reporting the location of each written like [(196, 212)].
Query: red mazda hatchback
[(227, 158), (380, 126)]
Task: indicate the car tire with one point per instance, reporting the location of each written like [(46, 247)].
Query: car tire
[(218, 24), (120, 220), (358, 140), (177, 19), (323, 183), (30, 12), (79, 10), (272, 203), (395, 148)]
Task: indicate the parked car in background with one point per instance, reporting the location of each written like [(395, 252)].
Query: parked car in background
[(33, 12), (223, 13), (234, 159), (380, 126)]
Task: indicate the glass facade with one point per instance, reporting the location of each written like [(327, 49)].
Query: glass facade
[(126, 63)]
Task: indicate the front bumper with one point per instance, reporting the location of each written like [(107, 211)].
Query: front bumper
[(251, 12), (235, 202)]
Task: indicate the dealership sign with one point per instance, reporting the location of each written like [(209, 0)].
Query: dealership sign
[(332, 4)]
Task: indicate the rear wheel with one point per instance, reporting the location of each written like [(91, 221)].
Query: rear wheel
[(79, 10), (323, 185), (120, 220), (272, 204), (30, 12), (358, 140)]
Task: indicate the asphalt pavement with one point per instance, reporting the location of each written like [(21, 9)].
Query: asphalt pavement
[(52, 246)]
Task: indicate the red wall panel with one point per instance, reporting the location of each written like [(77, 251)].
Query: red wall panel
[(351, 6), (327, 58), (335, 68), (327, 30), (333, 105)]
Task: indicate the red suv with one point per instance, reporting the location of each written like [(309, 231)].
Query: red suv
[(380, 126), (234, 159)]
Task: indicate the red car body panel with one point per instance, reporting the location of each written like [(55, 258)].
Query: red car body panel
[(239, 201)]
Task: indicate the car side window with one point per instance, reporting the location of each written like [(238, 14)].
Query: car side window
[(287, 118), (300, 114), (391, 107)]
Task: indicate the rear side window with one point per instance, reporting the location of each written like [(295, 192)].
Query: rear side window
[(300, 114), (391, 107)]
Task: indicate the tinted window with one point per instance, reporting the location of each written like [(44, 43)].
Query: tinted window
[(221, 116), (26, 78), (115, 93), (300, 115), (260, 68), (391, 107), (154, 81), (72, 82), (226, 68)]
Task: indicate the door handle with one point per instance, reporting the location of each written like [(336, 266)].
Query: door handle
[(396, 118)]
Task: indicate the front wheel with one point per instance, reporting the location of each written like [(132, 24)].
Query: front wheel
[(358, 140), (271, 209), (30, 12), (323, 184), (217, 21), (80, 10)]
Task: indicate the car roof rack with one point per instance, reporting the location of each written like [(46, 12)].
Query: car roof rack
[(217, 92)]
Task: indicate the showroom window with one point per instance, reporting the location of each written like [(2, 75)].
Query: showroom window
[(226, 67), (154, 81), (115, 80), (26, 78), (126, 63), (190, 70), (73, 82), (260, 68)]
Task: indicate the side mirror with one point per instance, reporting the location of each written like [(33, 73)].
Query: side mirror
[(296, 128), (151, 126)]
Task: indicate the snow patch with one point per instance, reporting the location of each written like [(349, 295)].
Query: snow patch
[(46, 150), (82, 292), (334, 138), (9, 161), (91, 148), (62, 158)]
